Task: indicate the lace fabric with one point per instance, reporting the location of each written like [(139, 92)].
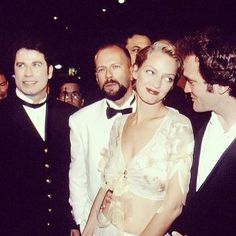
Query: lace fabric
[(167, 154)]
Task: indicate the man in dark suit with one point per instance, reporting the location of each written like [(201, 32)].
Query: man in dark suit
[(35, 151), (210, 70)]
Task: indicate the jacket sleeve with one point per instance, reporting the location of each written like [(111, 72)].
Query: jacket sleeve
[(77, 173)]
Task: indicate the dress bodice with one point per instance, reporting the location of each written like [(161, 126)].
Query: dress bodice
[(167, 154), (147, 173)]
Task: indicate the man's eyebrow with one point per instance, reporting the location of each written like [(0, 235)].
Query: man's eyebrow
[(37, 62)]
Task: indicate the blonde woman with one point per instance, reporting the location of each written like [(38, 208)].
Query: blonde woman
[(147, 165)]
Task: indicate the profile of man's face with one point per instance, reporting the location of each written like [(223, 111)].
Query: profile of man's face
[(135, 44), (113, 72), (3, 87)]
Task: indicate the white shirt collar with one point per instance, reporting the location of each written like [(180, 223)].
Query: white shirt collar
[(128, 103)]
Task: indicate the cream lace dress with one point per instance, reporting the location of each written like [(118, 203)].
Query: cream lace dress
[(167, 155)]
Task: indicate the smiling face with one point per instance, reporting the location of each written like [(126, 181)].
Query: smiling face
[(32, 73), (196, 85), (155, 78)]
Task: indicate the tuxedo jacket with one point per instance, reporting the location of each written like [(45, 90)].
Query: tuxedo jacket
[(33, 172), (90, 131), (211, 210)]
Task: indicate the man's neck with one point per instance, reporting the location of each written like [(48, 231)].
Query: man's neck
[(125, 98), (30, 99), (227, 114)]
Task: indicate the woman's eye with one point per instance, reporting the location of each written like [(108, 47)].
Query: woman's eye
[(150, 72), (169, 79)]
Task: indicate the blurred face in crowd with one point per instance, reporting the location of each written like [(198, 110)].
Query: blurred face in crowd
[(32, 73), (135, 44), (155, 77), (70, 93), (113, 72), (3, 87), (196, 85)]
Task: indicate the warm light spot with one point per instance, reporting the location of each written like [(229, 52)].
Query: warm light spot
[(58, 66), (121, 1)]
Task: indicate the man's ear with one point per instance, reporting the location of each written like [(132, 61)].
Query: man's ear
[(50, 71), (135, 72), (221, 89), (97, 80)]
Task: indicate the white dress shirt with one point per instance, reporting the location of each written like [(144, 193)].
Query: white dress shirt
[(90, 131), (36, 115), (215, 142)]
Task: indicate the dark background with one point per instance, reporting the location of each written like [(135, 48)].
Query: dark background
[(82, 26)]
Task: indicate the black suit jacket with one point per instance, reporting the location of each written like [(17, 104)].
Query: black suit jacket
[(211, 211), (33, 172)]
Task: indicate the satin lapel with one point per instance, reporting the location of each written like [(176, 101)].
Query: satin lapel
[(23, 123), (223, 160)]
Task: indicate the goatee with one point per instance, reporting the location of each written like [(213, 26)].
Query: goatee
[(117, 95)]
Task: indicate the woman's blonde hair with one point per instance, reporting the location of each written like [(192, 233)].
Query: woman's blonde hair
[(163, 46)]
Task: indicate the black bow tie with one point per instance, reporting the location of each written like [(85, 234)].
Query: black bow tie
[(112, 112), (32, 105)]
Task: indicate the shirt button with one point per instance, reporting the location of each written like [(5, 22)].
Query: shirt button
[(47, 166), (48, 181), (45, 150), (49, 209), (48, 224), (49, 195)]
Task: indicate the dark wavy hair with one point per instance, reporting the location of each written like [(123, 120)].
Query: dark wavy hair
[(216, 52)]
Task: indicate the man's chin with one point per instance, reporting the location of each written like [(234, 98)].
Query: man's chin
[(114, 95)]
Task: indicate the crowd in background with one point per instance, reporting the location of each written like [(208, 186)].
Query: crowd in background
[(154, 153)]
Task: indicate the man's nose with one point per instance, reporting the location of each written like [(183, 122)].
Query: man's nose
[(28, 71), (108, 73), (187, 87)]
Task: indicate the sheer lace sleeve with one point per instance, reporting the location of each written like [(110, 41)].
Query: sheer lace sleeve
[(180, 144)]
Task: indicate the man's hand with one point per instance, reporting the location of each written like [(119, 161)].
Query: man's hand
[(75, 232)]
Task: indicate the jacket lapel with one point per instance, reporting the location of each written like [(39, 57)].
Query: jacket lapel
[(23, 123), (223, 160), (196, 156)]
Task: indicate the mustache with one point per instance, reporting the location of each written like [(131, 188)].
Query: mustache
[(111, 81)]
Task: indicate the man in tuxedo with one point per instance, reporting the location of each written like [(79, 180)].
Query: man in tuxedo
[(210, 70), (91, 125), (35, 150)]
